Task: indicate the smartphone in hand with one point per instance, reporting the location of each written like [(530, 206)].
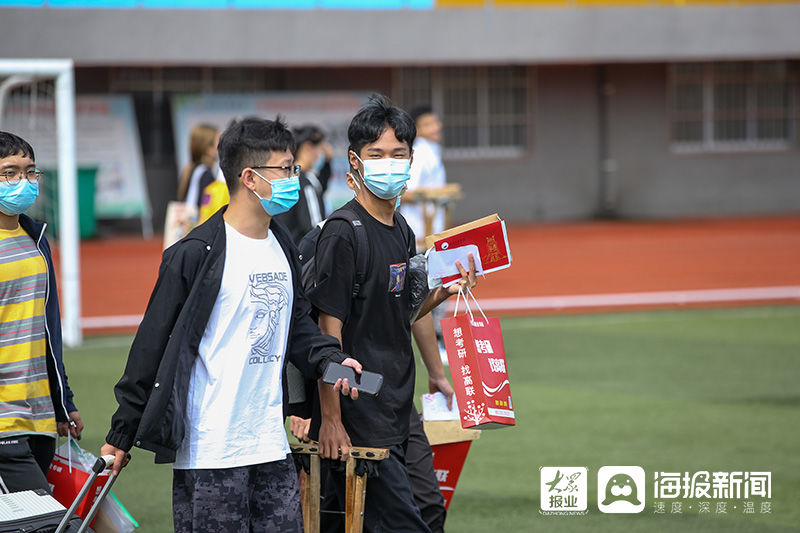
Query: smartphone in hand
[(366, 382)]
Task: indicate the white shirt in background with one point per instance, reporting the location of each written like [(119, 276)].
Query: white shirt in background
[(234, 412), (427, 170), (193, 192)]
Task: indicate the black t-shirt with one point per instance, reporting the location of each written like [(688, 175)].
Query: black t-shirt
[(376, 329)]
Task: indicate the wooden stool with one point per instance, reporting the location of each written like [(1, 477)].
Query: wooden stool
[(356, 486)]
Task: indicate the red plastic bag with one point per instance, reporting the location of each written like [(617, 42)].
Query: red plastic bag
[(69, 470), (477, 360)]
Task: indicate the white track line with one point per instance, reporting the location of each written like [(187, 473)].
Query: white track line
[(624, 299), (578, 301), (118, 321)]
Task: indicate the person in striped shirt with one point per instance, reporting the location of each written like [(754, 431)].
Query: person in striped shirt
[(35, 400)]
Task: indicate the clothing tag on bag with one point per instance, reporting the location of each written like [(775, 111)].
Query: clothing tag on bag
[(442, 263)]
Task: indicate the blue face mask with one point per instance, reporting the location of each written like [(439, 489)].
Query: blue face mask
[(386, 178), (285, 193), (15, 199), (318, 164)]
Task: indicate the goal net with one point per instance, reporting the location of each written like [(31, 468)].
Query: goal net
[(37, 102)]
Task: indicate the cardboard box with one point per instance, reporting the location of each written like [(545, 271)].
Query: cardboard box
[(488, 234), (450, 444)]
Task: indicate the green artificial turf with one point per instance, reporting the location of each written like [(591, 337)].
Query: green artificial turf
[(674, 391)]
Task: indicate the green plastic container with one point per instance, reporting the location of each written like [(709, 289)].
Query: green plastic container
[(46, 206)]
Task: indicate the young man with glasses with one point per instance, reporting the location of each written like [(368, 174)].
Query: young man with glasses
[(375, 326), (204, 385), (35, 399)]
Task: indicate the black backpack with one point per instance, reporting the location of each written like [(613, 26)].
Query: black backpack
[(297, 384), (308, 247)]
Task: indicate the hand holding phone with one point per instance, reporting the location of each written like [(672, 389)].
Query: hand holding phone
[(366, 382)]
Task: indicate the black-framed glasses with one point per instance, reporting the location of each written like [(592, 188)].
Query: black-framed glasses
[(285, 172), (13, 177)]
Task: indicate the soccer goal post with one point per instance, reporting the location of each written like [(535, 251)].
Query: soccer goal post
[(15, 73)]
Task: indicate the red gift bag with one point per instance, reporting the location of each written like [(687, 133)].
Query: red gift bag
[(478, 368), (69, 470)]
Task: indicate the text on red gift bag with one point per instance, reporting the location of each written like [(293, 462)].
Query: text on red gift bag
[(477, 360)]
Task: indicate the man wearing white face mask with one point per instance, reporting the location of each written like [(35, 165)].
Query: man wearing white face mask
[(204, 385), (373, 326)]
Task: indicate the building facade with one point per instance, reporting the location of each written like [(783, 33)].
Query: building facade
[(552, 110)]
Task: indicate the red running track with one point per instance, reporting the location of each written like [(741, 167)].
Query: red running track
[(586, 258)]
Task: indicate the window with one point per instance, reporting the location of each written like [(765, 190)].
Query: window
[(484, 109), (732, 105)]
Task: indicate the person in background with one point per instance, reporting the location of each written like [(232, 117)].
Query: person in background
[(200, 171), (427, 169), (215, 195), (314, 155), (36, 402)]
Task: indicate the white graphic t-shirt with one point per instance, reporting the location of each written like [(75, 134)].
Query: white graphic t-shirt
[(234, 412)]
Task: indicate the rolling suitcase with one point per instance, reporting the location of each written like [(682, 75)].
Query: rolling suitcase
[(37, 511)]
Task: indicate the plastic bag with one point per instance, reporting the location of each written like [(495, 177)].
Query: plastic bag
[(417, 279), (69, 470), (113, 517)]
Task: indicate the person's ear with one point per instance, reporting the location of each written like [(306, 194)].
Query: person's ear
[(354, 162), (248, 178), (351, 182), (411, 159)]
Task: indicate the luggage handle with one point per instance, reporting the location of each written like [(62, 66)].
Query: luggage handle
[(102, 463)]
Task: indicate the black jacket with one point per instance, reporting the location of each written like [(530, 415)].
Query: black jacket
[(152, 392), (57, 376)]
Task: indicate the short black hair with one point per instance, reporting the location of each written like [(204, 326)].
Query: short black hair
[(372, 120), (307, 134), (248, 142), (419, 110), (11, 144)]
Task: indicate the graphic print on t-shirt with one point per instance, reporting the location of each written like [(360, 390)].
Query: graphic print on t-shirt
[(269, 299), (397, 277)]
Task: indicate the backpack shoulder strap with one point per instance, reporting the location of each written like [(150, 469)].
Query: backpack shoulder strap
[(362, 245), (406, 229)]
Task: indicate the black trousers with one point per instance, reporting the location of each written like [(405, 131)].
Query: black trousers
[(24, 462), (419, 461), (389, 505)]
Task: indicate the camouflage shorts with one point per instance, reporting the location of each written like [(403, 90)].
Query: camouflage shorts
[(264, 497)]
